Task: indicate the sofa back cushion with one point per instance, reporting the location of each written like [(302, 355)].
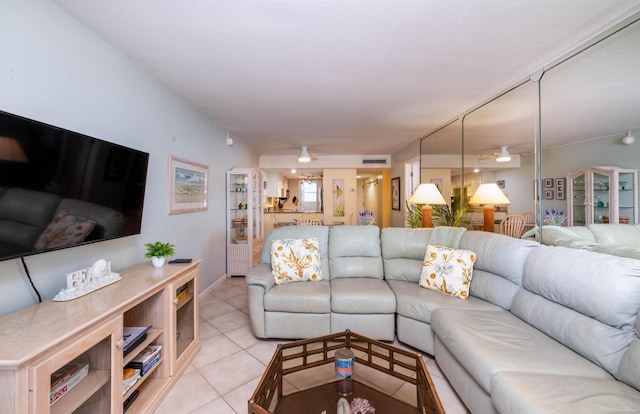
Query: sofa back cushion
[(499, 266), (585, 300), (110, 223), (354, 251), (300, 232), (403, 252), (615, 234), (24, 214)]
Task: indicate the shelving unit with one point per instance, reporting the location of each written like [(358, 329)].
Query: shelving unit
[(40, 339), (245, 227), (602, 195)]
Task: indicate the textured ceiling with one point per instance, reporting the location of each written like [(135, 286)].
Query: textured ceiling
[(341, 77)]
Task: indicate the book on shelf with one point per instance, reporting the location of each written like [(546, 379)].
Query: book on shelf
[(130, 399), (134, 336), (182, 292), (130, 377), (67, 377), (147, 358)]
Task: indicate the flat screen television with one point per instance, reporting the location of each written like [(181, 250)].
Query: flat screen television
[(60, 189)]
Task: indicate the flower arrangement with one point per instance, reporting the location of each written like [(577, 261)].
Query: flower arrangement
[(554, 217), (366, 217)]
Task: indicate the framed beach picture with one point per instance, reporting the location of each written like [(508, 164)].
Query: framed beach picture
[(187, 186), (395, 193)]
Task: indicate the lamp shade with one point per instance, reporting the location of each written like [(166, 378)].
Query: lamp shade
[(489, 193), (304, 155), (10, 150), (427, 193)]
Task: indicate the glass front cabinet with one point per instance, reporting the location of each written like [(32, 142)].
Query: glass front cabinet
[(602, 195), (245, 229)]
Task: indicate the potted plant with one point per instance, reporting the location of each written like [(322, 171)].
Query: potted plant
[(158, 252), (414, 215)]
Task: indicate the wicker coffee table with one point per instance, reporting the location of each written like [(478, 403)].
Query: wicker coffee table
[(372, 357)]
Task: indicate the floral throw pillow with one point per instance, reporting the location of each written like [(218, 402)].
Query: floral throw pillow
[(295, 260), (64, 230), (448, 270)]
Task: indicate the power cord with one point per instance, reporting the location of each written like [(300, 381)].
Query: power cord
[(26, 269)]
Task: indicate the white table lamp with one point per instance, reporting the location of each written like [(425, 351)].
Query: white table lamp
[(489, 194), (427, 194)]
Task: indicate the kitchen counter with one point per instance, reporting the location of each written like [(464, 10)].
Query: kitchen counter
[(281, 217)]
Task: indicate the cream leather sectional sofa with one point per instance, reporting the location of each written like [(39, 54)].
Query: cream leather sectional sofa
[(616, 239), (545, 328)]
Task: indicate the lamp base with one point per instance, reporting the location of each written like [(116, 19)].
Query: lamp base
[(427, 214), (489, 219)]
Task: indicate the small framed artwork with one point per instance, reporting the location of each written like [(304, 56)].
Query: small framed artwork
[(187, 186), (560, 188), (500, 183), (395, 193), (548, 183), (548, 194)]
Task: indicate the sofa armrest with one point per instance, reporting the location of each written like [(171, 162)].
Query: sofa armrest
[(261, 275)]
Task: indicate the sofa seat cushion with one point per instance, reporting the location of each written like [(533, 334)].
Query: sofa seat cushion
[(362, 295), (418, 303), (303, 297), (487, 342), (526, 393)]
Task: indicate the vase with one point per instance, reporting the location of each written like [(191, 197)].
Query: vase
[(157, 261)]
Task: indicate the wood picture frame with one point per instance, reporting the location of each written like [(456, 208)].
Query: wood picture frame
[(548, 194), (188, 186), (560, 188), (395, 193)]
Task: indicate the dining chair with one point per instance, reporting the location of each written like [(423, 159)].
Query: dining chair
[(309, 219), (529, 221), (512, 225), (274, 221)]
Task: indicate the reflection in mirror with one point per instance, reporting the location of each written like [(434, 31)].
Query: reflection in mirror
[(589, 103), (440, 161), (499, 142)]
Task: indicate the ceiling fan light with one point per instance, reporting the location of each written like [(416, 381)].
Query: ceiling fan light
[(304, 155), (504, 155), (628, 139)]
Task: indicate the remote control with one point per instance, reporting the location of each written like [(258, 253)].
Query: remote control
[(180, 261)]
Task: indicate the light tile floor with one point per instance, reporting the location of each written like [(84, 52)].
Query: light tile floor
[(226, 371)]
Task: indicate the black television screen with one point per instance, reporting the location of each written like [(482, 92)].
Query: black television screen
[(59, 188)]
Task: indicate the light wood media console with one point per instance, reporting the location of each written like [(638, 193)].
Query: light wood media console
[(38, 340)]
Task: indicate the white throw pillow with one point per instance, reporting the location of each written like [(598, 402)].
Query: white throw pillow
[(295, 260), (448, 270)]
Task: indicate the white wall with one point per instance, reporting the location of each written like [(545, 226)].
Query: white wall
[(398, 159), (56, 71)]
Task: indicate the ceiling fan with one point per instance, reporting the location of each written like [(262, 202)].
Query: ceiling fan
[(502, 155)]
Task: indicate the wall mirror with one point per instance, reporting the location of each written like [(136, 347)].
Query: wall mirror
[(587, 103), (499, 142), (440, 159)]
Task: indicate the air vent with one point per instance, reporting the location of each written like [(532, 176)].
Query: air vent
[(380, 161)]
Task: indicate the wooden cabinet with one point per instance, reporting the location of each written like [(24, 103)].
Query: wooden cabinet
[(275, 185), (39, 340), (602, 195), (245, 227)]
